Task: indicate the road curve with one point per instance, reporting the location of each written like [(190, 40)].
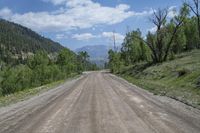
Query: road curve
[(99, 102)]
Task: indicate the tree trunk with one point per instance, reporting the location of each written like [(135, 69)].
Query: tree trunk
[(198, 24)]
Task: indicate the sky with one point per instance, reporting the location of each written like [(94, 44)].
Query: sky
[(77, 23)]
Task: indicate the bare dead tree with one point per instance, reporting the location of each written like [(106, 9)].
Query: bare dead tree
[(159, 47), (178, 23), (195, 9), (159, 20)]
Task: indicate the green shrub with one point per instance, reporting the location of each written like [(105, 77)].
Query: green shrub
[(198, 83), (8, 83), (182, 72), (39, 70), (1, 94)]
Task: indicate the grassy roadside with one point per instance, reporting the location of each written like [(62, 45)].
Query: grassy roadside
[(28, 93), (178, 79)]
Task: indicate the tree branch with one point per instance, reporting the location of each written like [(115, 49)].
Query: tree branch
[(192, 9), (172, 38)]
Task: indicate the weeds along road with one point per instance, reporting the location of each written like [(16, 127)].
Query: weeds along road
[(99, 102)]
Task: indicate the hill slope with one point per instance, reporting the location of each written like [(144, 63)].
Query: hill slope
[(18, 39), (178, 79)]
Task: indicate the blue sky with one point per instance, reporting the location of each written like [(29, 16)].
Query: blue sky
[(76, 23)]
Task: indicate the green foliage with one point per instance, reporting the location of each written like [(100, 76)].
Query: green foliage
[(29, 60), (17, 38), (83, 59), (179, 42), (198, 82), (40, 70), (162, 63), (16, 79), (40, 58), (67, 61), (18, 42), (115, 64), (8, 85), (65, 57), (182, 72), (191, 33), (172, 37), (133, 49), (178, 78)]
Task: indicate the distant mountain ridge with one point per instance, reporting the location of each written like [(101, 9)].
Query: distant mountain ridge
[(98, 53)]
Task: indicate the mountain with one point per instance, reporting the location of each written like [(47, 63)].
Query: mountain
[(18, 39), (98, 53)]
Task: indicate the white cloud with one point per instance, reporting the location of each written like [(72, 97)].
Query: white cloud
[(60, 36), (75, 3), (110, 36), (172, 12), (70, 3), (144, 13), (123, 7), (152, 30), (55, 2), (73, 14), (84, 36), (5, 12)]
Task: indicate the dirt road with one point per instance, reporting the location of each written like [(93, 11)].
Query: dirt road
[(99, 102)]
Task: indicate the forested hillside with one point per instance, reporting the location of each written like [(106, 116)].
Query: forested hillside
[(17, 41), (28, 60)]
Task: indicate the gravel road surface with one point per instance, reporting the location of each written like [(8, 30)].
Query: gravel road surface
[(99, 102)]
